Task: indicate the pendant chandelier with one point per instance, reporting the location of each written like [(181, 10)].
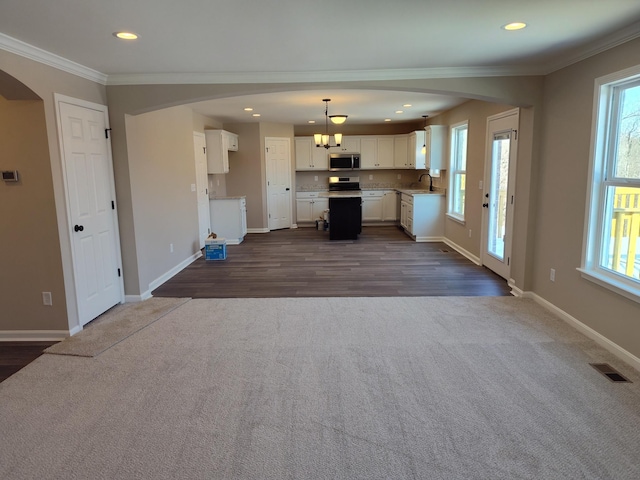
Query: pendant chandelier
[(323, 139), (424, 145)]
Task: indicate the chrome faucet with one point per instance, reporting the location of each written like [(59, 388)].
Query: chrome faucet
[(430, 180)]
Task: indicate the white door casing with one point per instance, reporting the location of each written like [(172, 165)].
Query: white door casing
[(499, 191), (278, 168), (91, 209), (202, 186)]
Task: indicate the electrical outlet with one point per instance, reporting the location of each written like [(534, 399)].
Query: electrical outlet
[(480, 185), (46, 298), (552, 275), (171, 248), (315, 178)]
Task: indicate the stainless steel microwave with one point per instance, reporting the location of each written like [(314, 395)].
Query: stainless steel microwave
[(344, 161)]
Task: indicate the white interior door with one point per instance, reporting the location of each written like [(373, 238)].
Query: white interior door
[(499, 194), (90, 192), (202, 186), (278, 161)]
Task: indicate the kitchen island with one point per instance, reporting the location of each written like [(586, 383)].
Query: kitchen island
[(345, 214)]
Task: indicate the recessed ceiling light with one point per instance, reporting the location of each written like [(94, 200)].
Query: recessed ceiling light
[(387, 119), (248, 109), (125, 35), (256, 115), (399, 111), (311, 121), (407, 105), (515, 26)]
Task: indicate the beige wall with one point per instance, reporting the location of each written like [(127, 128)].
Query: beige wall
[(45, 81), (164, 207), (29, 234), (563, 170), (476, 112)]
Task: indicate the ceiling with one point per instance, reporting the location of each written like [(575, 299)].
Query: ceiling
[(317, 42)]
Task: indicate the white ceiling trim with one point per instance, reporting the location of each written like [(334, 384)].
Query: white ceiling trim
[(610, 41), (23, 49), (26, 50), (314, 77)]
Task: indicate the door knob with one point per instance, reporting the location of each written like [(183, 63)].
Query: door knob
[(485, 205), (78, 228)]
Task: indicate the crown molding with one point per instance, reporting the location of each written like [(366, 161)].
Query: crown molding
[(315, 77), (594, 48), (23, 49)]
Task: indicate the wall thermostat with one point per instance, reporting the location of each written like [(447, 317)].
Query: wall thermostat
[(10, 175)]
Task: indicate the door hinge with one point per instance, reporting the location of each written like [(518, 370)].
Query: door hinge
[(113, 205), (119, 274), (106, 132), (508, 261), (515, 134), (204, 149)]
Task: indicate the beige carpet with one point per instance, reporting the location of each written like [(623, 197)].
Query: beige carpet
[(328, 388), (114, 326)]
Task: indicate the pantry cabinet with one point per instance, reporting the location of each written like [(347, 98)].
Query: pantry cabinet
[(219, 143)]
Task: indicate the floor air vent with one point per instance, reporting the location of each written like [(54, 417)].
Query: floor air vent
[(610, 372)]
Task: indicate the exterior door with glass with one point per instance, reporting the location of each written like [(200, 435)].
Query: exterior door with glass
[(499, 191)]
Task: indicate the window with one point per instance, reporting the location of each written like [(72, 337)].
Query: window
[(458, 171), (612, 249)]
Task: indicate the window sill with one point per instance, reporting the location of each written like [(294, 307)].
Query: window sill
[(456, 218), (621, 288)]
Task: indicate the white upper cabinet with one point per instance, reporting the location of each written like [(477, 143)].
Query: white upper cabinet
[(436, 143), (401, 151), (385, 157), (368, 152), (219, 142), (349, 144), (310, 157), (416, 150)]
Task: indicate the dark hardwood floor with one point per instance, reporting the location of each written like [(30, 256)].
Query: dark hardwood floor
[(15, 355), (303, 262)]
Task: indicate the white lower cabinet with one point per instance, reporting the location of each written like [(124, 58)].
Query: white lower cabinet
[(422, 216), (310, 206), (229, 218), (379, 206), (372, 206), (390, 206)]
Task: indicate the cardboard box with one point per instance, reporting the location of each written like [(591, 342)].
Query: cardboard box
[(215, 249)]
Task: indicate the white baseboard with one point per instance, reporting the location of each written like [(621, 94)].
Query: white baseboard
[(515, 291), (600, 339), (258, 230), (163, 278), (35, 335), (462, 251)]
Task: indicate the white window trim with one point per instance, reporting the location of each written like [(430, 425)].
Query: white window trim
[(590, 265), (450, 214)]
